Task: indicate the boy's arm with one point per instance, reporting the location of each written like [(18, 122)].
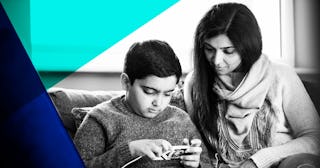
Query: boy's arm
[(95, 148)]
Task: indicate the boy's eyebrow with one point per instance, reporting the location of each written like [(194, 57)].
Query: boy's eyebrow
[(171, 90)]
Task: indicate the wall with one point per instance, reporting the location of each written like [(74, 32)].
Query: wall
[(306, 37)]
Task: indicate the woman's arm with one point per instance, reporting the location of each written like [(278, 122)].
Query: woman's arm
[(303, 120), (187, 91)]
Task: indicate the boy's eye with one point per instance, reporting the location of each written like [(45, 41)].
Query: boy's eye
[(149, 91)]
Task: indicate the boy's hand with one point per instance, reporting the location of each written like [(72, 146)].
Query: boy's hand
[(193, 157), (153, 148)]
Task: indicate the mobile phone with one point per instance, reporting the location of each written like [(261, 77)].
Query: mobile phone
[(178, 151)]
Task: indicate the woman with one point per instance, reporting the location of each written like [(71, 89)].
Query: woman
[(252, 112)]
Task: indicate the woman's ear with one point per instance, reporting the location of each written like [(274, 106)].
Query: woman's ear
[(125, 81)]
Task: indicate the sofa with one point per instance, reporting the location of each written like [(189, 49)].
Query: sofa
[(73, 104)]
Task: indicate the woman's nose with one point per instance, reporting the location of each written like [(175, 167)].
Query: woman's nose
[(218, 59)]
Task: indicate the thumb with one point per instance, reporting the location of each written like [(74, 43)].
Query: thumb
[(195, 142)]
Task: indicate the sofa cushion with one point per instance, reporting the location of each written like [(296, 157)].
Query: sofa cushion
[(67, 99)]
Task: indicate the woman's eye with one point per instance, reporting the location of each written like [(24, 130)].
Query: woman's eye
[(209, 49), (229, 51)]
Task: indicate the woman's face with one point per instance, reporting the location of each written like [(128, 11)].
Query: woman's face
[(221, 54)]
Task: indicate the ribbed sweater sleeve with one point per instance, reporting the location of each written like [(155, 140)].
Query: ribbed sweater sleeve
[(302, 118), (90, 142)]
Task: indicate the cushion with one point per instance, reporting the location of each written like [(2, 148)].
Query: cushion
[(67, 99)]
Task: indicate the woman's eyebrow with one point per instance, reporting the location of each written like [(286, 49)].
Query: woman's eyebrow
[(232, 47), (209, 45)]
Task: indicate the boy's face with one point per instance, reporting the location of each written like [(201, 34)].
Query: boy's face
[(148, 97)]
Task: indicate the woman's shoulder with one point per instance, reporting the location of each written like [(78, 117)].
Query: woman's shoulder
[(282, 70), (285, 76)]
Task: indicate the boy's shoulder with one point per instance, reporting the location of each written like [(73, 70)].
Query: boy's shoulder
[(177, 112), (109, 107)]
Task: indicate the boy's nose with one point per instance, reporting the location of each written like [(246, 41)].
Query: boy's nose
[(157, 101)]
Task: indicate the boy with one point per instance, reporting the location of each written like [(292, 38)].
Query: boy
[(141, 122)]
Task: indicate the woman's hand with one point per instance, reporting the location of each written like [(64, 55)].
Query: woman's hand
[(193, 157), (153, 148)]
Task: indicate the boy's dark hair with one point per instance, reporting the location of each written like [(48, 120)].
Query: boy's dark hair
[(152, 57)]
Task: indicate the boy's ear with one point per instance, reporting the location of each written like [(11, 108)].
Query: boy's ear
[(125, 81)]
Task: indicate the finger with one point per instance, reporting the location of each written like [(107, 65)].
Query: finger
[(185, 141), (195, 142), (190, 157), (156, 149), (150, 154), (195, 150)]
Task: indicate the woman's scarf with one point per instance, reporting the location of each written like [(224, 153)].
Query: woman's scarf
[(241, 104)]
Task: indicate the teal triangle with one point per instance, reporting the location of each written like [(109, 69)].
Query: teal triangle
[(65, 35), (17, 12)]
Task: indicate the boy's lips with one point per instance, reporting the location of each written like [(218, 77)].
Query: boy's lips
[(153, 110)]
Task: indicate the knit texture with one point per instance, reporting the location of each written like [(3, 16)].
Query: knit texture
[(102, 138)]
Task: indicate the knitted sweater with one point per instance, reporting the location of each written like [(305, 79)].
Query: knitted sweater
[(102, 138), (267, 117)]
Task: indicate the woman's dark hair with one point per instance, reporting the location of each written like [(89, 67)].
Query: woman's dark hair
[(239, 24), (152, 57)]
